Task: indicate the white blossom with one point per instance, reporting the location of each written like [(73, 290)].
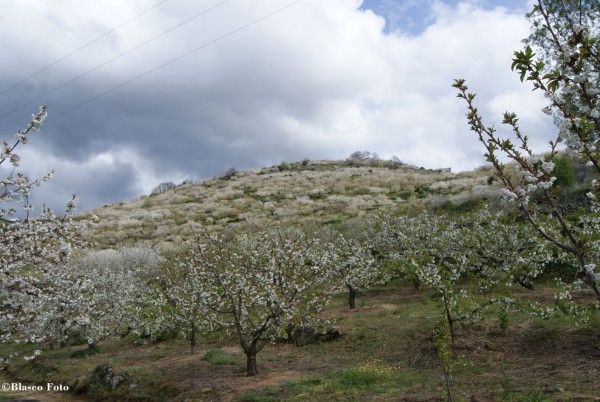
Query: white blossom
[(547, 166), (32, 247)]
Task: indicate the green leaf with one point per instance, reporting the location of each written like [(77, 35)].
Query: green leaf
[(522, 76)]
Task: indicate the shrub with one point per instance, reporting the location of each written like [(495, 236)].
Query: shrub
[(284, 166), (84, 353), (163, 188), (229, 174), (563, 171)]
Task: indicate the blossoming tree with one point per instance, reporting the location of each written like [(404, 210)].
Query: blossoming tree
[(30, 247), (356, 266), (262, 284), (567, 69), (440, 252), (433, 251), (183, 301), (111, 294)]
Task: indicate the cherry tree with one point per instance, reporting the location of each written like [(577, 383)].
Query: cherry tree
[(504, 255), (183, 301), (261, 285), (439, 261), (440, 252), (564, 63), (356, 266), (108, 293), (31, 247), (430, 250)]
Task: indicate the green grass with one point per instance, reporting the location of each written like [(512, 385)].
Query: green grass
[(219, 356), (536, 396), (368, 380), (82, 353), (464, 365)]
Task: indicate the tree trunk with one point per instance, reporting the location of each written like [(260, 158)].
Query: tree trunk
[(193, 338), (251, 361), (590, 276), (448, 316), (448, 388), (351, 296), (62, 334), (92, 346)]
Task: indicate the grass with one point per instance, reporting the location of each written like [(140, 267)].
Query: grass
[(81, 353), (385, 353), (371, 379), (219, 356)]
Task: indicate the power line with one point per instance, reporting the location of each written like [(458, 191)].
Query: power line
[(81, 48), (137, 77), (64, 84)]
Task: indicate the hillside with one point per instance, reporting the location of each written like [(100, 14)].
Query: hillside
[(325, 192)]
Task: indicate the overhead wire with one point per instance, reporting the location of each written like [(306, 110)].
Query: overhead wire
[(137, 77), (81, 48), (64, 84)]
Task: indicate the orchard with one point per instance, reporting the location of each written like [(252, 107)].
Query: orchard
[(257, 287)]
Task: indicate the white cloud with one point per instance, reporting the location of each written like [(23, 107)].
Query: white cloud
[(318, 80)]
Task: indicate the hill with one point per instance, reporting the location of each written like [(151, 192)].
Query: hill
[(324, 192)]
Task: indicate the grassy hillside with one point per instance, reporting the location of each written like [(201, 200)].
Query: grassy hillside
[(325, 192)]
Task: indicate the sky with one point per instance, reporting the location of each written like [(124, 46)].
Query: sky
[(148, 91)]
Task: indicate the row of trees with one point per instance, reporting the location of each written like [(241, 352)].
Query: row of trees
[(561, 59), (257, 286)]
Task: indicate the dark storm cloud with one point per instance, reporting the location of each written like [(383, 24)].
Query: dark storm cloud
[(94, 186)]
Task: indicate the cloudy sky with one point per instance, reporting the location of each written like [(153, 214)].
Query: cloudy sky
[(189, 88)]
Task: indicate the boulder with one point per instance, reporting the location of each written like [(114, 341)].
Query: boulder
[(105, 374), (304, 335), (307, 334), (332, 333)]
